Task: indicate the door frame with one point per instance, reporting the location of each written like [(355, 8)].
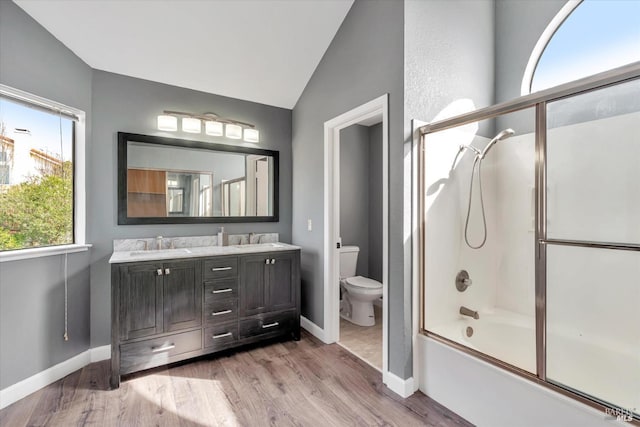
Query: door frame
[(332, 128)]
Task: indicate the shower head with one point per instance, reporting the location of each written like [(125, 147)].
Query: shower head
[(507, 133)]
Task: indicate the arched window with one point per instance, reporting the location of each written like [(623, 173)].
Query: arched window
[(585, 38)]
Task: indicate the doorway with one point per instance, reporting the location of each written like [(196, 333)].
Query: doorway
[(367, 115)]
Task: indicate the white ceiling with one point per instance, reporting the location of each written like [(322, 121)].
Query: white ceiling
[(257, 50)]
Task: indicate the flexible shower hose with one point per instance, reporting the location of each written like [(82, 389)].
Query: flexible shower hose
[(478, 161)]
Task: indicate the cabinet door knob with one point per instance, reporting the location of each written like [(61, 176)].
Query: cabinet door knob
[(159, 271), (273, 261), (167, 271), (266, 261)]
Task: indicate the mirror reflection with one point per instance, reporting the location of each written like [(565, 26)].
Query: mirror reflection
[(165, 181)]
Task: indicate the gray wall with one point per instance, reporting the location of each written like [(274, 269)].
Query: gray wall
[(363, 62), (128, 104), (448, 69), (31, 291), (519, 25), (354, 192), (361, 196), (375, 202)]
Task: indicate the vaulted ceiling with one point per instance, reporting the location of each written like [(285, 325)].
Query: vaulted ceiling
[(257, 50)]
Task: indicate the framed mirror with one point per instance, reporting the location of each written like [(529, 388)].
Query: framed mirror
[(177, 181)]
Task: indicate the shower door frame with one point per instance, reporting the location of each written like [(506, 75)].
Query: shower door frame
[(539, 101)]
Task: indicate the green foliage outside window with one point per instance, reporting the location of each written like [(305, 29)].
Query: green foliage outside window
[(38, 212)]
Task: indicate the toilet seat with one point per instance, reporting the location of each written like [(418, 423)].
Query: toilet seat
[(363, 282)]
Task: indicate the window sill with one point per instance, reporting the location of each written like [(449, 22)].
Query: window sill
[(42, 252)]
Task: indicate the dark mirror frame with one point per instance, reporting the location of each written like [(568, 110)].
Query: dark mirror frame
[(123, 219)]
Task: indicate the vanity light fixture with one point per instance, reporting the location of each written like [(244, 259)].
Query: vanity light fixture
[(233, 131), (213, 128), (191, 125), (214, 125), (169, 123), (251, 135)]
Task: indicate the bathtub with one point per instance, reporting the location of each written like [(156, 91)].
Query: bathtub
[(594, 368)]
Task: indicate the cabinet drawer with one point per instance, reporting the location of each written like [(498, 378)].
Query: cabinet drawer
[(220, 268), (221, 311), (157, 351), (220, 336), (220, 289), (267, 324)]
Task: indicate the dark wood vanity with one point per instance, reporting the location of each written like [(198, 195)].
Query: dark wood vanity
[(171, 310)]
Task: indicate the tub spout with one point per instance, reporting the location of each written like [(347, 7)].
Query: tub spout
[(468, 312)]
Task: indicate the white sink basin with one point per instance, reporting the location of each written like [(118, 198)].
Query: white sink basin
[(161, 252)]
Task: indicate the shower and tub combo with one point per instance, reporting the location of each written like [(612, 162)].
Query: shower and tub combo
[(530, 253)]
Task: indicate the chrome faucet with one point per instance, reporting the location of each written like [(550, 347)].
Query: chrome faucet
[(159, 242), (468, 312)]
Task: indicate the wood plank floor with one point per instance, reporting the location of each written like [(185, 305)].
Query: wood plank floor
[(305, 383)]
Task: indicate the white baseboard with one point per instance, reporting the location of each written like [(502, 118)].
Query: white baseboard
[(99, 354), (21, 389), (403, 388), (313, 329)]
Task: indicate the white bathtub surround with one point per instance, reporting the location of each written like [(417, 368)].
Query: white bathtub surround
[(592, 295), (191, 241), (461, 382), (501, 334)]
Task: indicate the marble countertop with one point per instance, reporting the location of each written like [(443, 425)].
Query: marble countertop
[(119, 257)]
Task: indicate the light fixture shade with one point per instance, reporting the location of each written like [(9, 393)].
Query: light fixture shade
[(213, 128), (251, 135), (233, 131), (169, 123), (191, 125)]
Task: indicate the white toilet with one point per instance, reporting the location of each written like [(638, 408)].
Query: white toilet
[(359, 292)]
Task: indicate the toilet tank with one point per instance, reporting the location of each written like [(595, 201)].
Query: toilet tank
[(348, 261)]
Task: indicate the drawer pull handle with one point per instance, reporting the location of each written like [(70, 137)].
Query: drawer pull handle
[(163, 348), (221, 291), (228, 334), (219, 313), (270, 325), (221, 268)]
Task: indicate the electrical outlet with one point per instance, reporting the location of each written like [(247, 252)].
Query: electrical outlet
[(309, 225)]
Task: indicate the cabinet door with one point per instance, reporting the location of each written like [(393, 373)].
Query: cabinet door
[(281, 289), (140, 300), (253, 297), (182, 296)]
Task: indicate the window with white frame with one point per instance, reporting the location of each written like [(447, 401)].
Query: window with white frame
[(37, 172), (585, 38)]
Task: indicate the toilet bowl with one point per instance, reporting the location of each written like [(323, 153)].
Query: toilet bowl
[(359, 292)]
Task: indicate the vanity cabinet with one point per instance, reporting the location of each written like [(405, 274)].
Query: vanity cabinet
[(267, 283), (164, 312), (158, 297)]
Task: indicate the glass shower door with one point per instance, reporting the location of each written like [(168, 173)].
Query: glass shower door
[(593, 244)]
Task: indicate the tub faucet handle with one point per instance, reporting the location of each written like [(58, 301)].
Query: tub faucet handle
[(463, 281)]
